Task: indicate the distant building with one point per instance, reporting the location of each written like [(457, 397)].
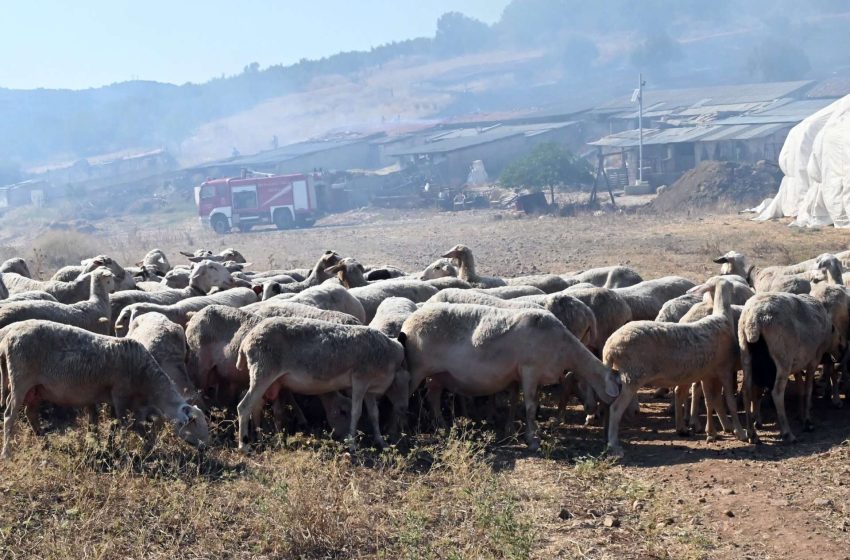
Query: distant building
[(446, 156), (24, 193)]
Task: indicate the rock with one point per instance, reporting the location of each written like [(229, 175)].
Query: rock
[(728, 513), (565, 514), (701, 499), (637, 505), (611, 521), (822, 502), (727, 491)]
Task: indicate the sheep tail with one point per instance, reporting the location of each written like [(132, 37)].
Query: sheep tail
[(763, 366)]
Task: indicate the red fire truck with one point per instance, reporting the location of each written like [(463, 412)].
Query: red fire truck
[(257, 198)]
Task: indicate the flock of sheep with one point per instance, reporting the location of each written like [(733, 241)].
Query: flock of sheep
[(156, 341)]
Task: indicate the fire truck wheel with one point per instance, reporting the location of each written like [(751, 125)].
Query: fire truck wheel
[(283, 219), (220, 225)]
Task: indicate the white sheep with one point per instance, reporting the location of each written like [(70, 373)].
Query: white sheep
[(610, 310), (371, 296), (511, 292), (92, 315), (674, 354), (85, 369), (123, 280), (166, 342), (647, 298), (16, 265), (476, 350), (64, 292), (606, 277), (782, 334), (315, 357), (466, 268)]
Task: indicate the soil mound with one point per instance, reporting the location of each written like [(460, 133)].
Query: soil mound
[(720, 185)]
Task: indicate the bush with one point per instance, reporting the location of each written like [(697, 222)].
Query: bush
[(54, 249)]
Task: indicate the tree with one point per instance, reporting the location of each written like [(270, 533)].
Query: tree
[(548, 165), (459, 34), (656, 52)]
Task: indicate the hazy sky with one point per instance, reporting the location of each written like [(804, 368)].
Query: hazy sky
[(68, 44)]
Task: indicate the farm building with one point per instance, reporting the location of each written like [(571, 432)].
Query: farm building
[(446, 156), (744, 123)]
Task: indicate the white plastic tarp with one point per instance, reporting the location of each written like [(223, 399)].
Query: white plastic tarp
[(816, 161)]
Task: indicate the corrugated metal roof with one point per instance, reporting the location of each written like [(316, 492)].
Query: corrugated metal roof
[(460, 139), (831, 87), (786, 111), (680, 135), (714, 95)]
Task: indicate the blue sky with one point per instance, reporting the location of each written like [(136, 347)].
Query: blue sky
[(86, 43)]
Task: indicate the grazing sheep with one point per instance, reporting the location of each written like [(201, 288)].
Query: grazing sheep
[(289, 308), (350, 273), (328, 295), (383, 272), (466, 268), (180, 311), (4, 292), (607, 277), (28, 296), (16, 265), (315, 357), (204, 277), (477, 297), (673, 310), (155, 260), (675, 354), (64, 292), (316, 277), (166, 342), (547, 283), (391, 315), (92, 315), (476, 350), (676, 308), (511, 292), (610, 310), (782, 334), (85, 369), (371, 296), (572, 312), (123, 281), (177, 278), (647, 298)]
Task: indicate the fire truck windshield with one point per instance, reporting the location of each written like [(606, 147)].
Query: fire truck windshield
[(208, 191)]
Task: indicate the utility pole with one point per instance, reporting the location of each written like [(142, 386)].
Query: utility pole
[(641, 83)]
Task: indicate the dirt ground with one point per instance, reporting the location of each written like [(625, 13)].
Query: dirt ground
[(670, 497)]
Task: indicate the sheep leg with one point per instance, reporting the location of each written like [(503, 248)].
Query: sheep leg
[(696, 396), (729, 384), (245, 409), (358, 392), (563, 400), (513, 399), (718, 406), (615, 414), (374, 419), (32, 412), (14, 403), (832, 373), (711, 395), (750, 397), (680, 393), (778, 394), (529, 390), (434, 395), (808, 425)]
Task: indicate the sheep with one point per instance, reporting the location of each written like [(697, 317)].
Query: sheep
[(572, 312), (610, 310), (316, 277), (794, 279), (28, 296), (4, 291), (607, 277), (123, 281), (675, 354), (205, 276), (447, 282), (440, 268), (676, 308), (511, 292), (350, 273), (647, 298), (329, 295), (391, 315), (213, 336), (466, 268), (92, 315), (228, 254), (288, 308), (155, 261), (180, 311), (166, 342), (547, 283), (383, 272), (780, 334), (176, 278), (314, 357), (673, 310), (64, 292), (85, 369), (476, 350), (477, 297), (370, 297), (16, 265)]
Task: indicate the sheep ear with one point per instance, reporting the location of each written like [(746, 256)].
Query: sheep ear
[(721, 260), (335, 268), (699, 289), (612, 388), (185, 254)]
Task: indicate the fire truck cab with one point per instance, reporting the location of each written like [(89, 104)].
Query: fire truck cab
[(257, 199)]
